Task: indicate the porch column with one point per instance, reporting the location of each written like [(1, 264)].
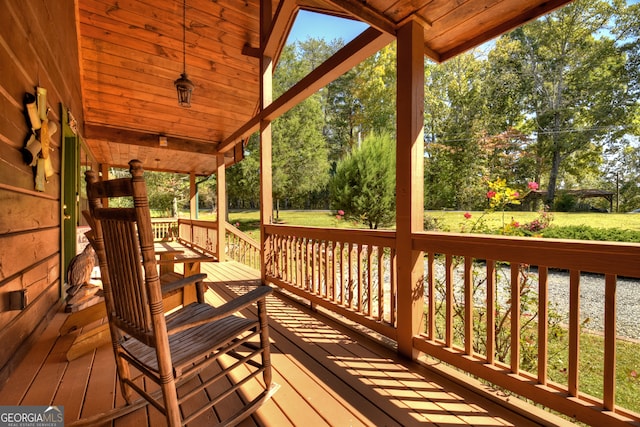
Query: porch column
[(193, 199), (221, 214), (104, 175), (266, 97), (409, 182)]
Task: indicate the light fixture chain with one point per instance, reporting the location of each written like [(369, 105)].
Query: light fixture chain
[(184, 36)]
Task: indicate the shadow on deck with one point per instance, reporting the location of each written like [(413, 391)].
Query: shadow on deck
[(328, 376)]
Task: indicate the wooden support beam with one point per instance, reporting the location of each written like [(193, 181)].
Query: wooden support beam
[(143, 139), (360, 48), (541, 9), (279, 28), (193, 200), (104, 174), (221, 216), (266, 181), (367, 14), (409, 183)]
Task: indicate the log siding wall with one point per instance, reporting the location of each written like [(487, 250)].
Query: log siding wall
[(38, 47)]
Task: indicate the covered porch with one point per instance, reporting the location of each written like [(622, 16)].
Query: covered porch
[(328, 374), (412, 289)]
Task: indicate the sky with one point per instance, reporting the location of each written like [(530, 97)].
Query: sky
[(315, 25), (319, 26)]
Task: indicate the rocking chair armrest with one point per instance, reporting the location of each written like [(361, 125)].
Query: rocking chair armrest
[(177, 324), (185, 281)]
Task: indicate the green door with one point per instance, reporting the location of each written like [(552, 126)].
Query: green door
[(70, 191)]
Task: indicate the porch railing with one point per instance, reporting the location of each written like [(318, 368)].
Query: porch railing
[(488, 306), (164, 228), (203, 235), (489, 311), (199, 233), (351, 272), (241, 247)]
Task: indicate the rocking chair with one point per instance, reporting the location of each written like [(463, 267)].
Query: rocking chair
[(170, 349)]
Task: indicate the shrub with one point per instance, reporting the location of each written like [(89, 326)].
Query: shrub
[(585, 232), (364, 182), (565, 203)]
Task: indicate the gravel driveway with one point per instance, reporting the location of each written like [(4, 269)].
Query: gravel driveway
[(591, 297), (592, 302)]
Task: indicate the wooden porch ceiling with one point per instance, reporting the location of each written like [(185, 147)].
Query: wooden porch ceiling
[(131, 53)]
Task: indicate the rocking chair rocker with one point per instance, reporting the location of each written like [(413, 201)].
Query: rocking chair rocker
[(170, 349)]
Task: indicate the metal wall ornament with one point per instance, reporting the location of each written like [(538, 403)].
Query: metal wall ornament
[(183, 85), (37, 150)]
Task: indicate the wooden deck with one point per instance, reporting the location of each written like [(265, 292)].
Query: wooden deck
[(327, 376)]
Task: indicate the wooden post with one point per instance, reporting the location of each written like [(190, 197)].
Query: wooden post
[(193, 199), (266, 97), (104, 175), (409, 182), (221, 216)]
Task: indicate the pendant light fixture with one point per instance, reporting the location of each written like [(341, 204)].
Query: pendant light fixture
[(184, 86)]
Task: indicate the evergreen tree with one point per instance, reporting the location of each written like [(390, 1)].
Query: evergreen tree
[(364, 184)]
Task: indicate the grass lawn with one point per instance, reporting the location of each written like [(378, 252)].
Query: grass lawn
[(592, 368), (453, 221)]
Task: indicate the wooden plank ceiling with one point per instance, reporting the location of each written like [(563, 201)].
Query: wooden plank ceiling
[(132, 51)]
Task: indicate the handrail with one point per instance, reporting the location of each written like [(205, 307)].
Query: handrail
[(200, 234), (241, 247), (351, 272)]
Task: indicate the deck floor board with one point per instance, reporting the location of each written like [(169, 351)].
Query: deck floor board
[(327, 376)]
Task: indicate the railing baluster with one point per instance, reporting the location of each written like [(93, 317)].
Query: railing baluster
[(574, 331), (431, 302), (468, 305), (300, 261), (491, 311), (285, 257), (394, 288), (323, 269), (515, 318), (610, 333), (381, 298), (315, 249), (342, 275), (543, 322), (360, 279), (349, 289), (295, 261), (369, 279), (449, 301)]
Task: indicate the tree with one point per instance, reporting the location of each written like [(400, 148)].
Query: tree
[(623, 157), (578, 93), (340, 128), (375, 90), (300, 164), (454, 132), (165, 191), (364, 184), (243, 180)]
